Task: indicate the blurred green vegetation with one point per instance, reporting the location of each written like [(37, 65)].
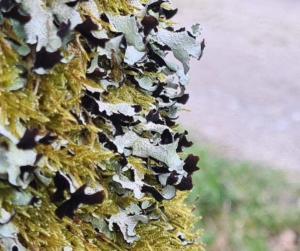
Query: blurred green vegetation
[(243, 206)]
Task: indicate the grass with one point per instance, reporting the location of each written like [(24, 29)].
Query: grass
[(243, 206)]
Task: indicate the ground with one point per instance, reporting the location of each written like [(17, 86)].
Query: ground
[(245, 91)]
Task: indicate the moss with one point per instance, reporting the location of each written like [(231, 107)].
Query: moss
[(129, 94), (117, 7), (179, 216), (49, 100)]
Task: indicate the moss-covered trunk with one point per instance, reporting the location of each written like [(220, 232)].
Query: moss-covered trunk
[(90, 155)]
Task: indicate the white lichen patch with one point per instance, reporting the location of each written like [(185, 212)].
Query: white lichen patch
[(128, 26), (40, 29), (143, 148), (182, 45)]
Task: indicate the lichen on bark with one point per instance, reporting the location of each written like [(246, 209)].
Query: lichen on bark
[(90, 155)]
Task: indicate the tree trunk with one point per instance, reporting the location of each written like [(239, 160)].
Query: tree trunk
[(90, 155)]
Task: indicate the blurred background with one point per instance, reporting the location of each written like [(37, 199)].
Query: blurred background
[(245, 122)]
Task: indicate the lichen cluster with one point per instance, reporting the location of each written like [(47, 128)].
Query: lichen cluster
[(90, 155)]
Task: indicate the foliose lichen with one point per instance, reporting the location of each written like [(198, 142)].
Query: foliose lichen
[(90, 155)]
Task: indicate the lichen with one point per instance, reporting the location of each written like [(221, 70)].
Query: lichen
[(90, 155)]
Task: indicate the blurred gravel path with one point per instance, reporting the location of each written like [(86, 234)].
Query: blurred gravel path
[(245, 91)]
